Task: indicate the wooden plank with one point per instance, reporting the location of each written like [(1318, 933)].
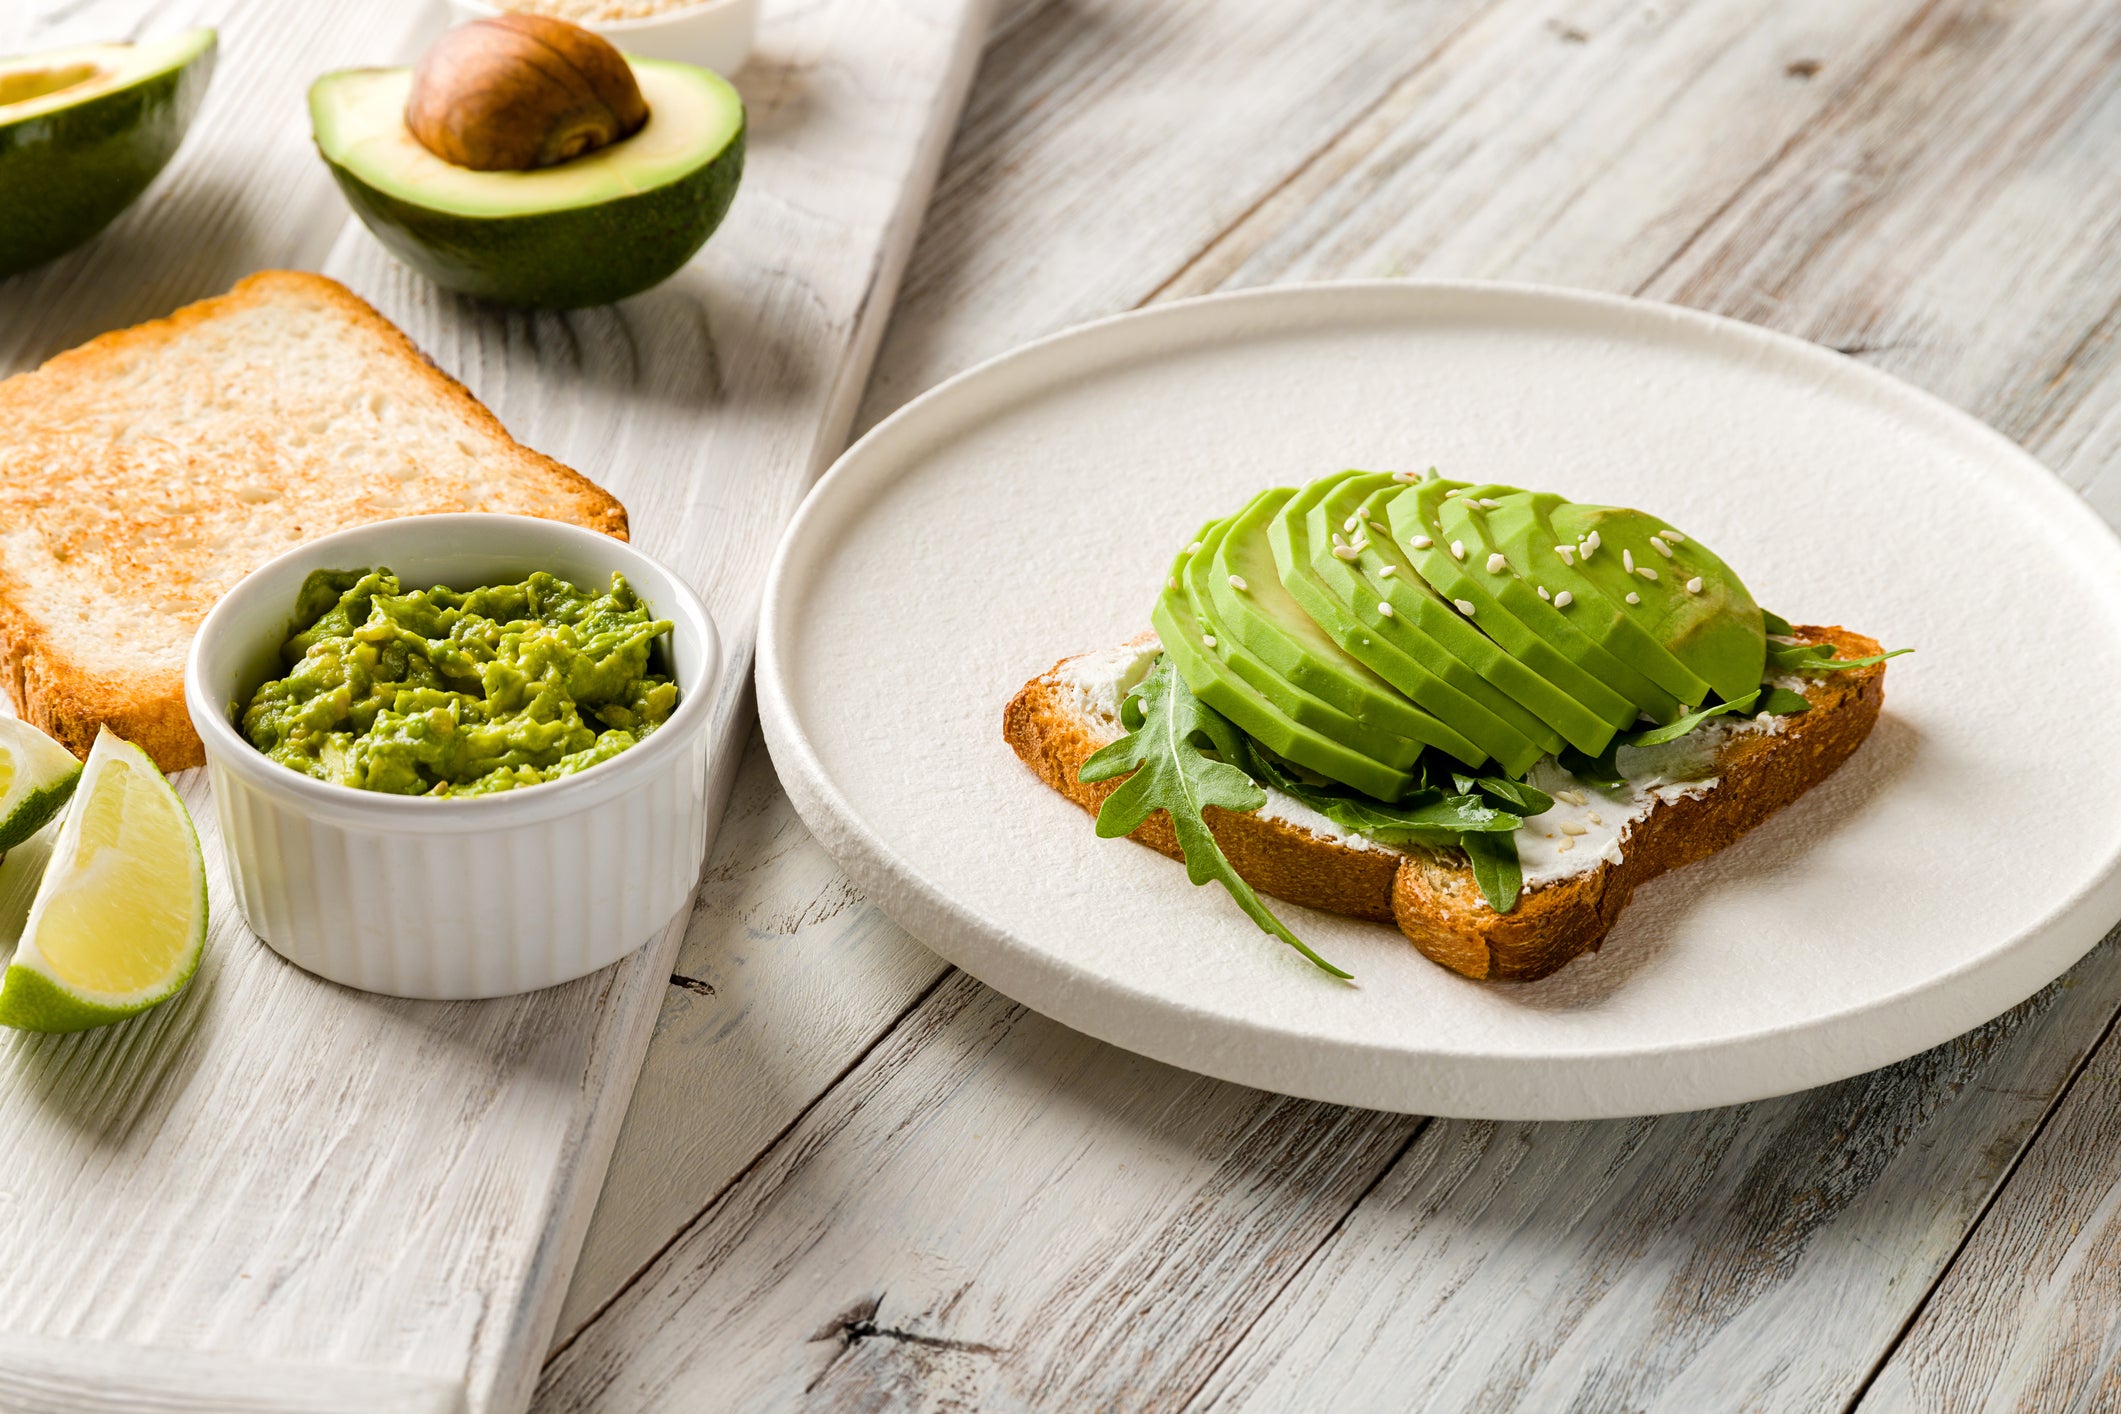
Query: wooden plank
[(1758, 1257), (786, 978), (2029, 1316), (63, 1377), (1617, 147), (853, 1265), (407, 1189)]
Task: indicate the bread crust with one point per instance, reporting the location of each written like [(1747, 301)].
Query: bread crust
[(1433, 896), (71, 695)]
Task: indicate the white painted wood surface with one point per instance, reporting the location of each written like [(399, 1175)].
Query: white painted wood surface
[(986, 1211), (381, 1202)]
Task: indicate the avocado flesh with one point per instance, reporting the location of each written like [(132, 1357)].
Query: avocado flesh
[(83, 131), (1715, 631), (1202, 581), (1509, 610), (1523, 525), (1535, 682), (588, 231), (1342, 604), (1268, 622), (1210, 678)]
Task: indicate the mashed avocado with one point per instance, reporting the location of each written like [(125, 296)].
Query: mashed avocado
[(448, 693)]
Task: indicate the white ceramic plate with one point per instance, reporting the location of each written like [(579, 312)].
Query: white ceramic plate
[(1028, 510)]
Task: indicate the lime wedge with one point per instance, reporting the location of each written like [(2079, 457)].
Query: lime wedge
[(37, 774), (119, 919)]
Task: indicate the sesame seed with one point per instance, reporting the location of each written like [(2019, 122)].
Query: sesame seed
[(1627, 560), (1592, 816), (1646, 572), (1384, 608), (1693, 586), (1464, 606), (1421, 542), (1362, 543), (1564, 599), (1573, 797), (1208, 639), (1489, 503), (1570, 827), (1633, 597), (1590, 542), (1345, 552), (1497, 563), (1339, 539), (1237, 582), (1543, 592), (1194, 548), (1348, 524), (1406, 477), (1387, 571), (1567, 553), (1458, 549), (1675, 537), (1660, 547), (1565, 846), (1172, 582), (1453, 492)]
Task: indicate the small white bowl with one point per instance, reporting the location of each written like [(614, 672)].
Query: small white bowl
[(448, 899), (715, 34)]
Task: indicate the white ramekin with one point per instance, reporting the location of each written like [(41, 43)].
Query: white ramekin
[(715, 34), (448, 899)]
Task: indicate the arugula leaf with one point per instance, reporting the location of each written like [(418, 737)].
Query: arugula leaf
[(1780, 702), (1598, 770), (1520, 796), (1673, 730), (1775, 623), (1426, 817), (1806, 659), (1496, 869), (1169, 732)]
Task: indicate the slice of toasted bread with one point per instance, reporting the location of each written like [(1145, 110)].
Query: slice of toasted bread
[(1054, 727), (144, 473)]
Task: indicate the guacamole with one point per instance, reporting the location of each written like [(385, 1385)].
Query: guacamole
[(449, 693)]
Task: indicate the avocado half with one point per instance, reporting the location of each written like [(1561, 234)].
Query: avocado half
[(82, 133), (588, 231)]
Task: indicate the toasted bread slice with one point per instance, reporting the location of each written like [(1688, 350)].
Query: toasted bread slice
[(144, 473), (1053, 726)]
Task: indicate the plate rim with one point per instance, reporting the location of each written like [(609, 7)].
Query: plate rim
[(1461, 1084)]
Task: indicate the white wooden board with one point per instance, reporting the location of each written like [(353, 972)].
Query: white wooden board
[(302, 1178)]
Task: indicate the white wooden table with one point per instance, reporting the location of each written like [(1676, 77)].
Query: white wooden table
[(853, 1177)]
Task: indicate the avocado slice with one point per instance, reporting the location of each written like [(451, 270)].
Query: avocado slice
[(1590, 572), (1511, 611), (1382, 573), (82, 133), (598, 228), (1199, 581), (1689, 600), (1207, 674), (1354, 617), (1241, 593)]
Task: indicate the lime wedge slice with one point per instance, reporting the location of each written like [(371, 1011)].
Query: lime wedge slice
[(119, 919), (37, 774)]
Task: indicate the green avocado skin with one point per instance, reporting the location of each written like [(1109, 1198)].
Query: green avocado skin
[(563, 259), (68, 173)]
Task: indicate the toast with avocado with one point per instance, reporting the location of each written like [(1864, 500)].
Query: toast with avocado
[(144, 473), (1484, 714)]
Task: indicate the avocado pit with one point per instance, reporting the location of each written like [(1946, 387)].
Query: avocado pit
[(519, 92)]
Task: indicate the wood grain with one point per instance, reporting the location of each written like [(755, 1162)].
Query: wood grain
[(279, 1168), (1916, 182), (851, 1266)]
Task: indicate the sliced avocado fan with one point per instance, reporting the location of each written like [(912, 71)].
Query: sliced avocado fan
[(1352, 624)]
